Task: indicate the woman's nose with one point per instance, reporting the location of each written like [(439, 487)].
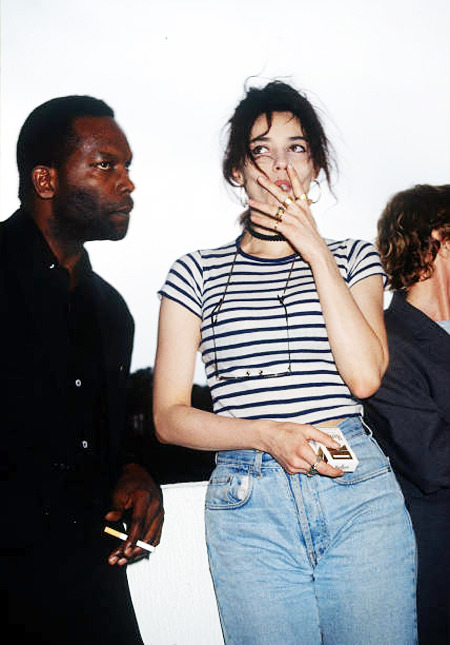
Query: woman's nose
[(280, 161)]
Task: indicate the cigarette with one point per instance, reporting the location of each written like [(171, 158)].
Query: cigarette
[(124, 536)]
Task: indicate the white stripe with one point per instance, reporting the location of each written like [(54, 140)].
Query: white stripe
[(251, 334)]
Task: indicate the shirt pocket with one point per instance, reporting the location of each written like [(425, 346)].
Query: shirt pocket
[(229, 487)]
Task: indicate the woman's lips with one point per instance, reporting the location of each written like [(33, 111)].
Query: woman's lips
[(284, 185)]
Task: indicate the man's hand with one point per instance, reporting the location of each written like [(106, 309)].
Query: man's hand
[(137, 491)]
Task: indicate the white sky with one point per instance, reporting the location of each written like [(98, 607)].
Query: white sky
[(173, 71)]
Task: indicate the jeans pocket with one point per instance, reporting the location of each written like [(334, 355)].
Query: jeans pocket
[(229, 487), (372, 460)]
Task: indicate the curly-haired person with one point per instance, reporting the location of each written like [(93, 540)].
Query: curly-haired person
[(410, 413)]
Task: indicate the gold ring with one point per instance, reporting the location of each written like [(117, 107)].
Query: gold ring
[(275, 228), (287, 201), (304, 197), (279, 214)]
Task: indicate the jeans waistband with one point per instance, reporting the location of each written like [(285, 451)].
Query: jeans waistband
[(256, 460)]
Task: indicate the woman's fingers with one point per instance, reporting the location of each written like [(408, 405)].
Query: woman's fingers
[(272, 188), (311, 465), (296, 455), (297, 186)]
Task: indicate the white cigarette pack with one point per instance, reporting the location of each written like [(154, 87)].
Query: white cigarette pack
[(342, 457)]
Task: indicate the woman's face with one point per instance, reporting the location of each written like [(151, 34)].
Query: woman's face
[(271, 151)]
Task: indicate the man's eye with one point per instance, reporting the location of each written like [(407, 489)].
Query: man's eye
[(104, 165), (259, 150)]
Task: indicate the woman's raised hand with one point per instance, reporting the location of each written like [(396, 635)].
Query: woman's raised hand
[(292, 217)]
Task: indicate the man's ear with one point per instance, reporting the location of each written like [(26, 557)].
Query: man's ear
[(445, 243), (45, 181)]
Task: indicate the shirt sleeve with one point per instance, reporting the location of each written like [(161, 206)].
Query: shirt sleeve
[(184, 283), (363, 261)]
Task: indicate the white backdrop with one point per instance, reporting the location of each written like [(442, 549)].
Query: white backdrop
[(174, 70)]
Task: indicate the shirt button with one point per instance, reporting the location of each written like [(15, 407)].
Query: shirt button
[(78, 382), (85, 444), (52, 266)]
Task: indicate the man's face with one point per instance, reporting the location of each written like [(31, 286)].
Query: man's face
[(93, 198)]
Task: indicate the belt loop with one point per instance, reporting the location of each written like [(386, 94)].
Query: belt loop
[(257, 462), (366, 427)]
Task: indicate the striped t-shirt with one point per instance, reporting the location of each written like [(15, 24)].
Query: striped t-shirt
[(265, 357)]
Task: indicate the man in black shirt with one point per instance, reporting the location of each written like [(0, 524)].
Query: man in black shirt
[(65, 346)]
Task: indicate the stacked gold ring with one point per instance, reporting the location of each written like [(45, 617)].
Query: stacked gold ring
[(287, 201), (279, 214), (304, 197)]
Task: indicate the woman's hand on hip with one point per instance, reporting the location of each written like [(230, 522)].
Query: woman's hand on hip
[(288, 443)]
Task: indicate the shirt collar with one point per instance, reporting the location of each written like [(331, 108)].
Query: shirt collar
[(33, 242)]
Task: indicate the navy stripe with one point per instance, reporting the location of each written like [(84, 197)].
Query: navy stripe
[(251, 331)]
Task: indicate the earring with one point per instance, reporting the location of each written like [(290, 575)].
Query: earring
[(319, 188), (242, 196)]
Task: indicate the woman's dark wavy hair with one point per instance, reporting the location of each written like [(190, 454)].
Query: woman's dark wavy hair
[(405, 243), (276, 96), (47, 137)]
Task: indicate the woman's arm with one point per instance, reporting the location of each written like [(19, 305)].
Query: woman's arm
[(355, 326), (177, 422), (353, 317)]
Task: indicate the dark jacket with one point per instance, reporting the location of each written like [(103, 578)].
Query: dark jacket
[(38, 451), (410, 413)]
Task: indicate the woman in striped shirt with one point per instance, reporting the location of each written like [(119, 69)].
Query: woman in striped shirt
[(290, 327)]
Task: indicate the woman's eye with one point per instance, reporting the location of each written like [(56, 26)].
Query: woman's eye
[(259, 150), (297, 147)]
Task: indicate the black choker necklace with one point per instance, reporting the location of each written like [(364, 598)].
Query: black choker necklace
[(279, 237)]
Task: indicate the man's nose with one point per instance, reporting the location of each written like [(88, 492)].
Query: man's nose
[(124, 183)]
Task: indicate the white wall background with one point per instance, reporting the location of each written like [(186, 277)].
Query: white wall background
[(174, 70), (172, 591)]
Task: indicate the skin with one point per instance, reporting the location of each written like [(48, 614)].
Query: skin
[(432, 296), (272, 151), (354, 318), (89, 198)]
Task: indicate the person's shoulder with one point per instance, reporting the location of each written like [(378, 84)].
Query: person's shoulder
[(350, 246), (354, 254), (402, 319), (110, 294), (202, 258), (11, 228), (224, 249)]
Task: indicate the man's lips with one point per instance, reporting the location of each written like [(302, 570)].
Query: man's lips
[(123, 207), (122, 210)]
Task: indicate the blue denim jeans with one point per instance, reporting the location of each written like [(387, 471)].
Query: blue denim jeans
[(311, 560)]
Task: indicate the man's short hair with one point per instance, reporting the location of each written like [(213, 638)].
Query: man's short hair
[(47, 137)]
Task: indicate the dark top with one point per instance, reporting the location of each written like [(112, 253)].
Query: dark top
[(410, 413), (65, 358)]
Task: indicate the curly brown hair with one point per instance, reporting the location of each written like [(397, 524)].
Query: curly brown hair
[(405, 240)]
